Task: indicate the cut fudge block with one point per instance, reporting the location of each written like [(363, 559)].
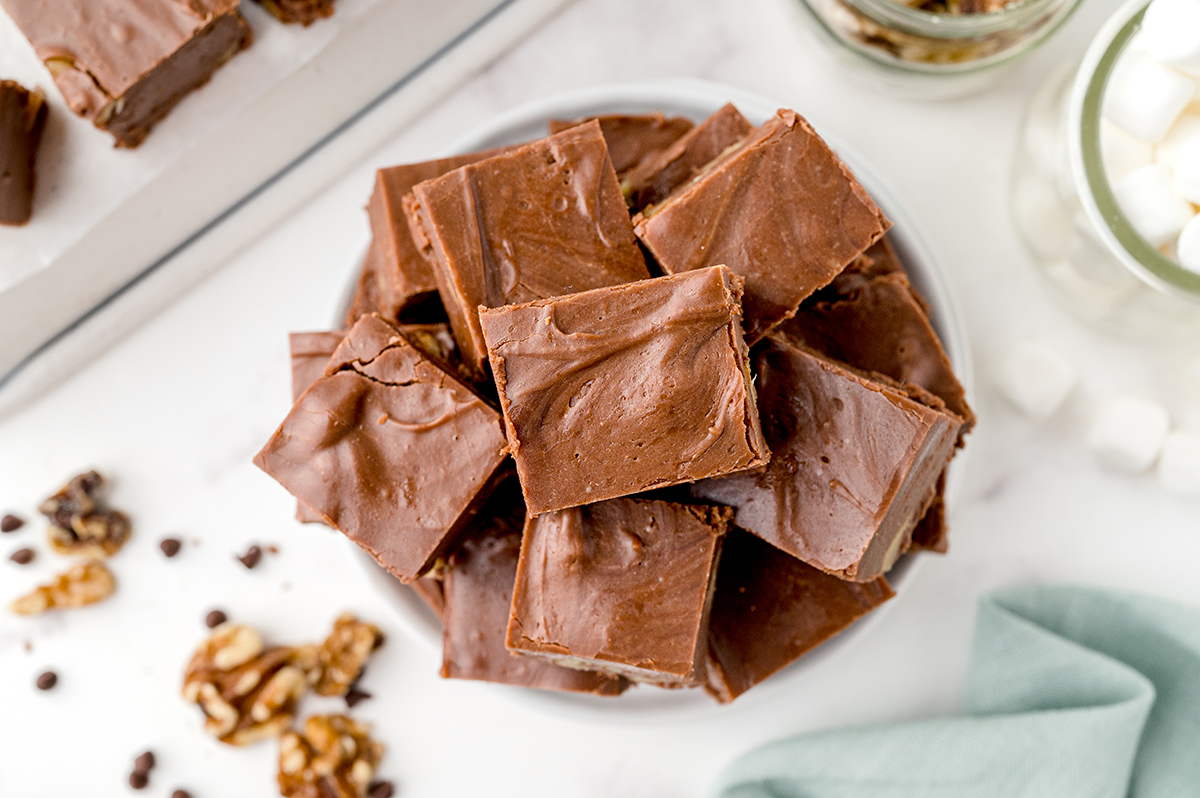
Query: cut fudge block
[(932, 531), (632, 138), (655, 178), (478, 593), (615, 391), (623, 586), (124, 65), (304, 12), (769, 609), (389, 448), (22, 119), (780, 209), (543, 220), (407, 288), (853, 463), (310, 352)]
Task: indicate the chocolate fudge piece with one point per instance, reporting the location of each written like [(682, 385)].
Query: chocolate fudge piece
[(932, 532), (769, 609), (431, 590), (622, 389), (305, 12), (310, 352), (655, 178), (543, 220), (780, 209), (632, 138), (479, 589), (853, 463), (622, 586), (22, 119), (368, 291), (389, 448), (124, 65)]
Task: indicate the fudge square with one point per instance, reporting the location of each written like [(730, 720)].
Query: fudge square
[(769, 609), (632, 138), (389, 448), (124, 65), (854, 462), (623, 586), (618, 390), (780, 209), (478, 591), (543, 220)]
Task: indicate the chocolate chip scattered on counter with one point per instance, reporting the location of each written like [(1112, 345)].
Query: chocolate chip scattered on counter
[(215, 619), (28, 646), (181, 794), (22, 556), (170, 546), (10, 523), (354, 695), (144, 763), (47, 680), (138, 780), (381, 789), (251, 557), (272, 549)]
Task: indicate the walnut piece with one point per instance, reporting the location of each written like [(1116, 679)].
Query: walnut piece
[(80, 523), (342, 656), (86, 583), (332, 757), (248, 692)]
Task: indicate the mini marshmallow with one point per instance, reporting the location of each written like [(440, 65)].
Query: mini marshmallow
[(1179, 468), (1187, 171), (1145, 98), (1128, 433), (1186, 128), (1170, 31), (1148, 199), (1187, 249), (1122, 153), (1035, 378)]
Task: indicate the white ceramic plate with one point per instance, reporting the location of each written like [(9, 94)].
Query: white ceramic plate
[(695, 100)]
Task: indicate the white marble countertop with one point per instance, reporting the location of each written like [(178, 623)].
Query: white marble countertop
[(174, 413)]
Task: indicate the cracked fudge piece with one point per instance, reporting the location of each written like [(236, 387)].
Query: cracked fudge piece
[(623, 389), (655, 178), (124, 65), (22, 119), (332, 756), (632, 138), (623, 586), (479, 589), (304, 12), (854, 462), (389, 448), (769, 609), (79, 521), (543, 220), (780, 209)]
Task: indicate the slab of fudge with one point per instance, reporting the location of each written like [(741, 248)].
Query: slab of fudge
[(304, 12), (478, 594), (655, 178), (854, 462), (622, 586), (22, 119), (543, 220), (780, 209), (389, 448), (769, 609), (623, 389), (124, 65), (632, 138)]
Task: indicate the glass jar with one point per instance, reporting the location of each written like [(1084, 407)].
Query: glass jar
[(1092, 260), (929, 55)]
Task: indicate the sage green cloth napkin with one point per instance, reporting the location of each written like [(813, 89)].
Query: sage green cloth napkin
[(1072, 692)]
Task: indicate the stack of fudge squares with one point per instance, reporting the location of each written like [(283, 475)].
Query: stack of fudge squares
[(641, 401)]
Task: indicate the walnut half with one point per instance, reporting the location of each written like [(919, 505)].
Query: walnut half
[(332, 757), (80, 523), (84, 584), (342, 656)]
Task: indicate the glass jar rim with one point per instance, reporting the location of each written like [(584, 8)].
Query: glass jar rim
[(935, 25)]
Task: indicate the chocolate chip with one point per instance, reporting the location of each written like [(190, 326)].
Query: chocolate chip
[(47, 680), (354, 695), (251, 557), (381, 789), (22, 556), (138, 780), (272, 549), (170, 546), (215, 619), (144, 763), (181, 794), (10, 523)]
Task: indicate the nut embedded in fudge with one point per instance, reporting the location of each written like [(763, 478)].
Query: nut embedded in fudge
[(22, 119), (780, 209), (304, 12), (854, 462), (615, 391), (622, 586), (632, 138), (769, 609), (124, 65), (390, 448), (540, 221)]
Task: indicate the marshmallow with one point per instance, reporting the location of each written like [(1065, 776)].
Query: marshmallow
[(1187, 249), (1122, 153), (1187, 171), (1145, 98), (1046, 225), (1148, 199), (1179, 468), (1170, 31), (1186, 128), (1128, 433), (1035, 378)]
